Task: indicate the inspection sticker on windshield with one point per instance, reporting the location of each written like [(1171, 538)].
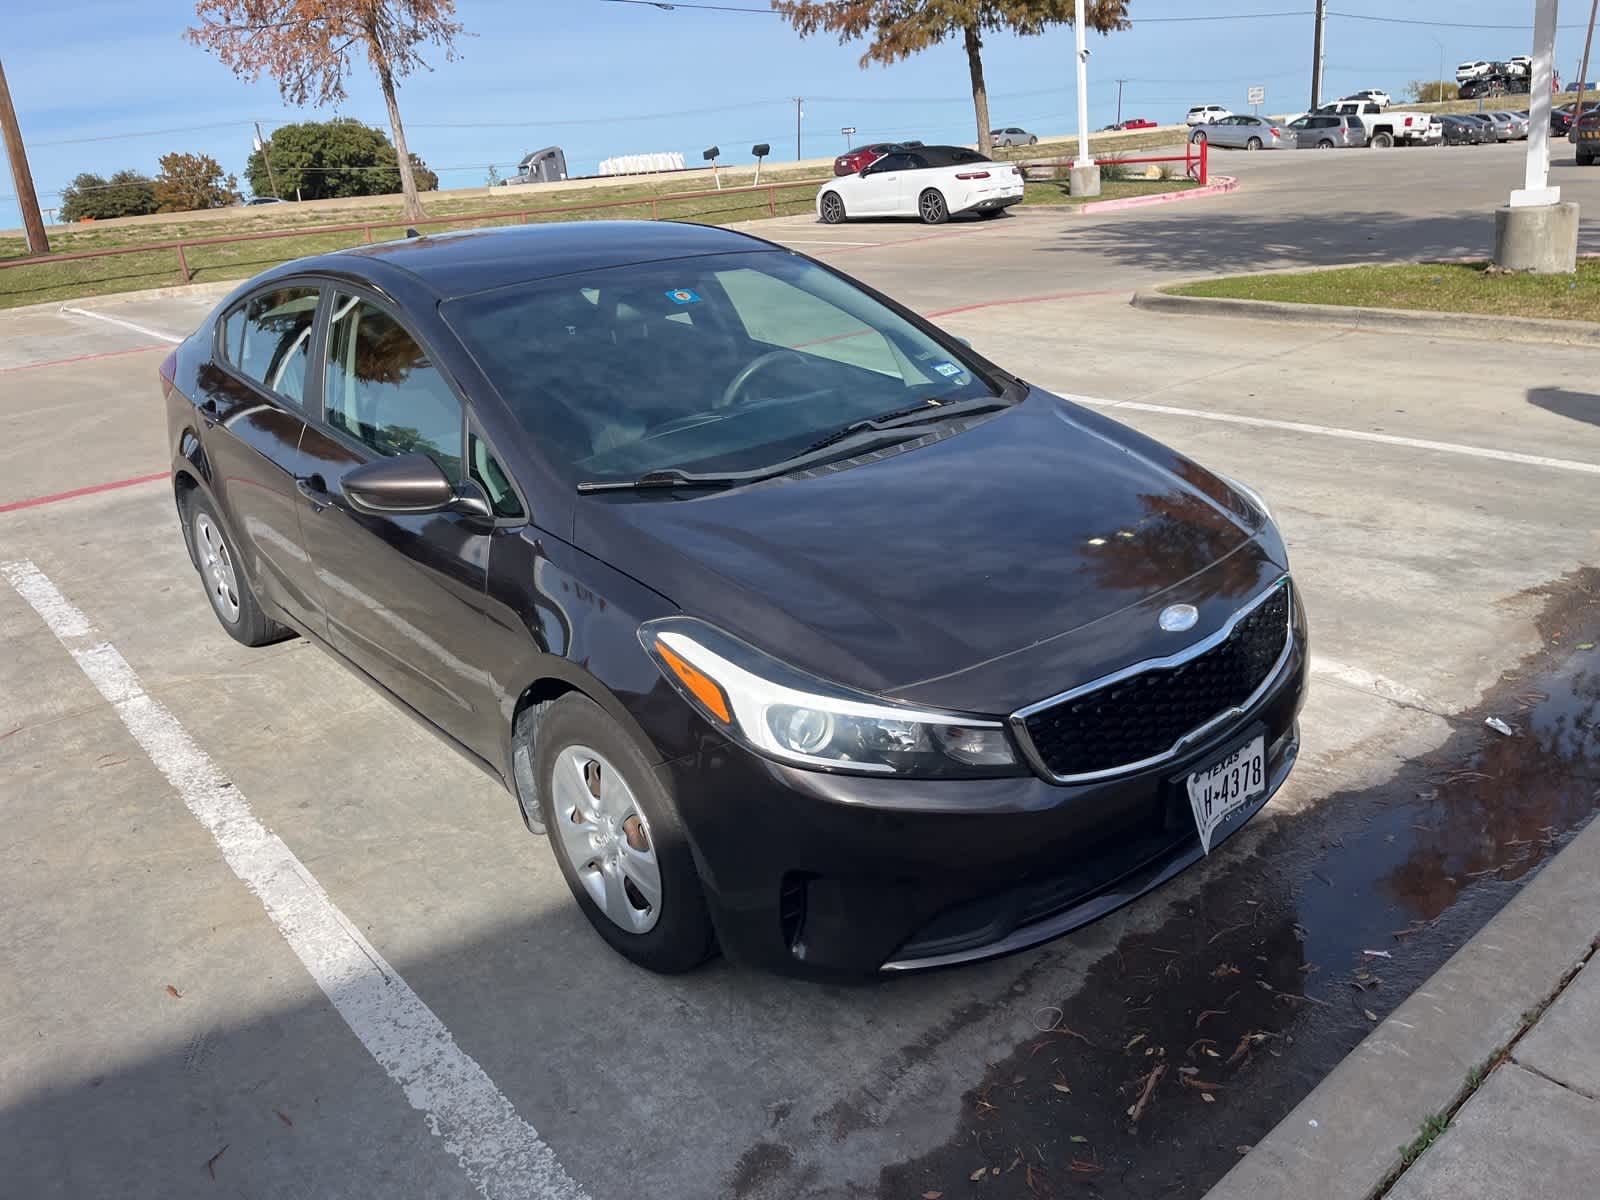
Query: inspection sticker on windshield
[(948, 369), (1216, 791), (683, 296)]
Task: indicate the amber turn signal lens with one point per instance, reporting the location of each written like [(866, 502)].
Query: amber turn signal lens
[(701, 686)]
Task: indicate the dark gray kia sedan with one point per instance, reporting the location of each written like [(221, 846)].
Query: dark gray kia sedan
[(802, 630)]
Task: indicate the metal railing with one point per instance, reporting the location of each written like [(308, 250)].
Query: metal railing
[(181, 246), (1196, 160)]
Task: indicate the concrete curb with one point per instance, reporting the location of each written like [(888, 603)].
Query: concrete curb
[(1342, 1141), (219, 287), (1435, 324), (1223, 185)]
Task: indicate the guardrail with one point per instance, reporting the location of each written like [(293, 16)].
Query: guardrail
[(182, 245), (1196, 160)]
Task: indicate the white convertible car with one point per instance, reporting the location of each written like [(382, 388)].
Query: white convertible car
[(930, 182)]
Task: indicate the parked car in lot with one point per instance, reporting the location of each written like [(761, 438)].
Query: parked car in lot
[(861, 157), (1245, 133), (1384, 128), (1206, 114), (932, 183), (1138, 123), (1326, 131), (1510, 126), (1561, 118), (1460, 132), (1012, 136), (1482, 120), (1585, 138), (799, 627)]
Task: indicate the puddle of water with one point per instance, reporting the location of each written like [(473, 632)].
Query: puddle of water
[(1221, 1020)]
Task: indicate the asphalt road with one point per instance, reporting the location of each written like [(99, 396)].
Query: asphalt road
[(390, 992)]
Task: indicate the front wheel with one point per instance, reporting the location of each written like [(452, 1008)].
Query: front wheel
[(1253, 144), (617, 839), (832, 209), (932, 208), (1033, 140), (1197, 137)]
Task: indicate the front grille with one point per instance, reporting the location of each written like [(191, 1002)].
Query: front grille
[(1143, 716)]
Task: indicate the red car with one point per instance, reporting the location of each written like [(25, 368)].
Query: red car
[(862, 157), (1138, 123)]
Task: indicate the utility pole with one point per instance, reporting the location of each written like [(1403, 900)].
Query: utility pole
[(266, 157), (1120, 82), (1316, 54), (27, 198), (1583, 68), (798, 113), (1083, 175)]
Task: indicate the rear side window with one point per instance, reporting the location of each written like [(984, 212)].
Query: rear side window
[(267, 339), (380, 388)]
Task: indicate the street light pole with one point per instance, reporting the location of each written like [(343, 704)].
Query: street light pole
[(1120, 82), (1084, 175), (1536, 231)]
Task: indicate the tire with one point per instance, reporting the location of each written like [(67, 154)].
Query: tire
[(629, 845), (1033, 140), (1198, 136), (1586, 160), (1381, 141), (1325, 144), (931, 207), (832, 209), (1252, 143), (216, 559)]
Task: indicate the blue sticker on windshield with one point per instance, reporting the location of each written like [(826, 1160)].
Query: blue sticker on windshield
[(948, 369), (683, 296)]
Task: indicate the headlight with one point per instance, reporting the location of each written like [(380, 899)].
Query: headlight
[(1249, 493), (782, 712)]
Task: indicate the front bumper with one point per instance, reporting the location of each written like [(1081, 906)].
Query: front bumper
[(821, 874)]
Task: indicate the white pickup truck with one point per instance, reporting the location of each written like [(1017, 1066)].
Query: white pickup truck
[(1388, 127)]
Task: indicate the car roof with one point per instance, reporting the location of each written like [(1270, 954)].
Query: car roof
[(476, 260)]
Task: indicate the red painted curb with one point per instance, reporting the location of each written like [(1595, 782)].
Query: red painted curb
[(39, 501), (78, 358), (1225, 183)]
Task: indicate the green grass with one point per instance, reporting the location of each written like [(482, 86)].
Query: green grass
[(1055, 191), (1433, 287), (1426, 1136)]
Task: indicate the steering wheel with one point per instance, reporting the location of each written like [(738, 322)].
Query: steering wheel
[(759, 363)]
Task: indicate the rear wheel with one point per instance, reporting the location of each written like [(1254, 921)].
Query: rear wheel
[(1253, 143), (617, 839), (217, 560), (832, 209), (1325, 144), (1381, 141), (932, 208)]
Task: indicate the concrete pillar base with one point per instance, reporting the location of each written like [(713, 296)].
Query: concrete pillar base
[(1085, 181), (1540, 238)]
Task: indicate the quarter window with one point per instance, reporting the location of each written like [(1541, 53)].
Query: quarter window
[(380, 388), (268, 339)]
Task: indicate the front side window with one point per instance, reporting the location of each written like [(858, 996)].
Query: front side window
[(268, 339), (727, 362), (380, 388)]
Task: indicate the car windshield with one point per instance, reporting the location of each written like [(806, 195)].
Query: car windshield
[(721, 363)]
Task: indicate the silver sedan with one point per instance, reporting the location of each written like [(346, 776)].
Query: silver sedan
[(1245, 133)]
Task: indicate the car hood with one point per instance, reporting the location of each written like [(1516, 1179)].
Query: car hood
[(955, 572)]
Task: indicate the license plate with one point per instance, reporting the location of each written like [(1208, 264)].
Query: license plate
[(1222, 788)]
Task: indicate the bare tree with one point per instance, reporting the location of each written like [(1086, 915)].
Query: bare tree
[(901, 28), (305, 45)]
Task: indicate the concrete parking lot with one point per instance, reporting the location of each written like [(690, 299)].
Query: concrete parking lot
[(391, 993)]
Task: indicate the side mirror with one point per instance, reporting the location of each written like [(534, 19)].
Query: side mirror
[(409, 484)]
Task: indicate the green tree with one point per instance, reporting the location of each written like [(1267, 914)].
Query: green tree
[(897, 29), (306, 45), (92, 197), (192, 181), (1428, 90), (316, 160)]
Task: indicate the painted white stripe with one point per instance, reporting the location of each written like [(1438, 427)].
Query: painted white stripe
[(144, 329), (501, 1153), (1353, 435), (825, 242), (1378, 685)]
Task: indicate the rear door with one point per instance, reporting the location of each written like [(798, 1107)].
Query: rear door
[(404, 594), (252, 405)]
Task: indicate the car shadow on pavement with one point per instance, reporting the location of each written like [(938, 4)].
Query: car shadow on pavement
[(1579, 406), (1216, 240)]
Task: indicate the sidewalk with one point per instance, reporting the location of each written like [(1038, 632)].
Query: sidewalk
[(1485, 1083)]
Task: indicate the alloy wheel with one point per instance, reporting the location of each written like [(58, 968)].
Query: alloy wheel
[(216, 567), (832, 209), (606, 838), (931, 207)]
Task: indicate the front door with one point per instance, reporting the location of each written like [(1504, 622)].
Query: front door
[(404, 594), (252, 402)]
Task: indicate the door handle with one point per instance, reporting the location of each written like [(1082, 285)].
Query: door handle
[(315, 489), (208, 411)]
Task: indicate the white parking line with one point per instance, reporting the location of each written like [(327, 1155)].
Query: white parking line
[(825, 242), (1353, 435), (1381, 686), (501, 1153), (144, 329)]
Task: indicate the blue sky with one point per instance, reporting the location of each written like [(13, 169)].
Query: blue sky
[(601, 79)]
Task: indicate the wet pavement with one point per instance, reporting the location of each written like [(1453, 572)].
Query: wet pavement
[(1187, 1043)]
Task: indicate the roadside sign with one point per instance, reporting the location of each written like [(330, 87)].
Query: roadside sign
[(848, 130), (1258, 94)]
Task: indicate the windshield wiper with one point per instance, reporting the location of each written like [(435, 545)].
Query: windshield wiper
[(925, 413)]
